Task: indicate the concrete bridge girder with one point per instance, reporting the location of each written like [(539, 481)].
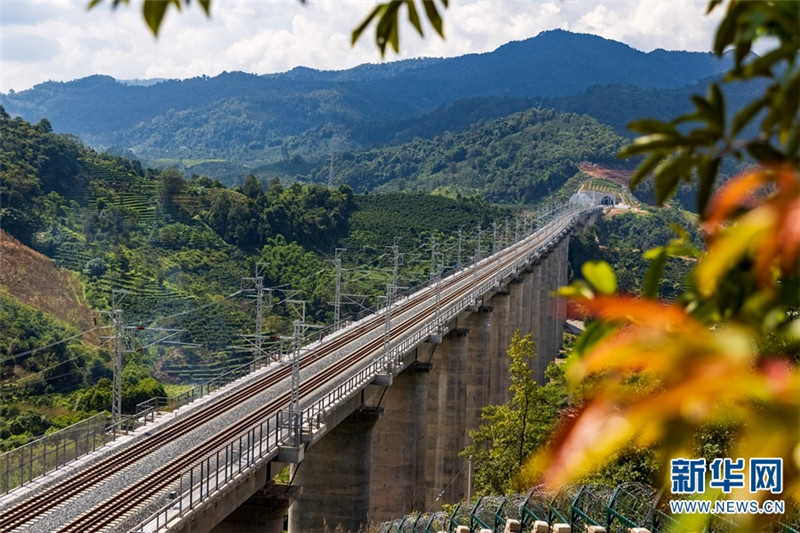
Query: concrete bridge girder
[(404, 455)]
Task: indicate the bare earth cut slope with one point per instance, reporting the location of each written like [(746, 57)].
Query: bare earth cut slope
[(31, 278)]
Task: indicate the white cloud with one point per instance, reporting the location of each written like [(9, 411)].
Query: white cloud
[(57, 39)]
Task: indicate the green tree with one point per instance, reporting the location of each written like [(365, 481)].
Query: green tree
[(510, 432), (171, 186)]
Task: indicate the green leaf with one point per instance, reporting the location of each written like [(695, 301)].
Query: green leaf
[(648, 143), (762, 65), (601, 276), (593, 333), (791, 103), (578, 289), (706, 176), (741, 50), (154, 11), (746, 114), (793, 141), (433, 16), (387, 14), (366, 22), (668, 173), (387, 30), (717, 101), (413, 16), (711, 5), (652, 281), (705, 110), (680, 231), (206, 5), (763, 152), (651, 125), (645, 168), (704, 136), (726, 31)]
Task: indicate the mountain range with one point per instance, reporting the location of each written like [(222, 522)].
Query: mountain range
[(238, 120)]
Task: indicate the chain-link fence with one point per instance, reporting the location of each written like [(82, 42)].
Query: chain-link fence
[(582, 508)]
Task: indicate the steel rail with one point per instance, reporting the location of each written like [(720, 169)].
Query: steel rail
[(455, 286)]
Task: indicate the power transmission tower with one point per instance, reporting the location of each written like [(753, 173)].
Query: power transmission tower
[(116, 399), (391, 293), (438, 280), (478, 251), (387, 328), (395, 272), (458, 254), (119, 350), (497, 248), (300, 328), (116, 323), (337, 300), (433, 259), (258, 281), (475, 295)]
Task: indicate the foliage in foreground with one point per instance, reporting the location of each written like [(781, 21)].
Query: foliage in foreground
[(726, 352)]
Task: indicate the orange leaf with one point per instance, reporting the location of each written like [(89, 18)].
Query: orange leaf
[(637, 311), (737, 192)]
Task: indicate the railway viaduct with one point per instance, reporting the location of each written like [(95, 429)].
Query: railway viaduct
[(372, 431), (394, 447)]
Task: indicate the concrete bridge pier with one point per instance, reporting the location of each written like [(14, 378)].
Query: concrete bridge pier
[(527, 303), (263, 512), (399, 441), (496, 360), (533, 294), (553, 309), (548, 345), (335, 476), (446, 430), (563, 279), (477, 371)]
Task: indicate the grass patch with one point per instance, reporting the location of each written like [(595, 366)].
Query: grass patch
[(176, 389)]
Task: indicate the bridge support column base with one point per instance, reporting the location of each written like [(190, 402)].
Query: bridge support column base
[(383, 380), (335, 476), (264, 512), (290, 454)]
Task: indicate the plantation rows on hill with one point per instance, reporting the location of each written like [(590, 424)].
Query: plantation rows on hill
[(176, 250)]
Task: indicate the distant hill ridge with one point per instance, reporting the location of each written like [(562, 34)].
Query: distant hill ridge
[(246, 117)]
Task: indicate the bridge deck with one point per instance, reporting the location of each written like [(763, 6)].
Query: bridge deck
[(123, 483)]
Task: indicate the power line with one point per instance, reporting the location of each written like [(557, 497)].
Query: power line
[(56, 343)]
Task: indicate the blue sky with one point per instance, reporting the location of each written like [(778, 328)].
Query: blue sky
[(59, 40)]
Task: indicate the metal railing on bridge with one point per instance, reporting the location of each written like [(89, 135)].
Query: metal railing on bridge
[(200, 482), (391, 357), (233, 461), (37, 458), (51, 452)]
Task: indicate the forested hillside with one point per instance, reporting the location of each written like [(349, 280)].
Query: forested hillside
[(177, 249), (520, 158), (244, 118), (621, 238), (82, 225)]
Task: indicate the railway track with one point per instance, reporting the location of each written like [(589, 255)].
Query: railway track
[(453, 288)]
